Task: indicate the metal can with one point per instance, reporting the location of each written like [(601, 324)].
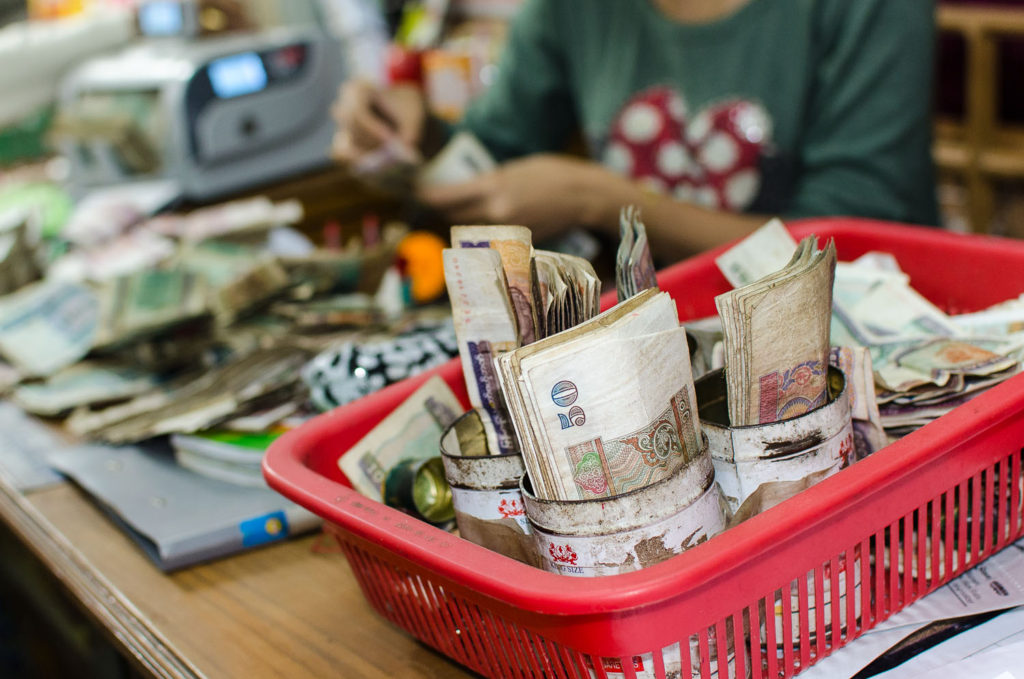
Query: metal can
[(419, 487), (760, 465), (627, 532), (485, 491)]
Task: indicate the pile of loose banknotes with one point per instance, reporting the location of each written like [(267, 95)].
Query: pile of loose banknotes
[(600, 405), (203, 322)]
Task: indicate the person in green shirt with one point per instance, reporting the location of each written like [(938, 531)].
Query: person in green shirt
[(711, 115)]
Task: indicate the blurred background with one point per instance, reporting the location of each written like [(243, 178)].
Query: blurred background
[(169, 212)]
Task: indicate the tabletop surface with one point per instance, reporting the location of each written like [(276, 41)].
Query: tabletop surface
[(292, 609)]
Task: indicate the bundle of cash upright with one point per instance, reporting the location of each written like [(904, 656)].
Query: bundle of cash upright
[(634, 267), (505, 295), (566, 291), (608, 406), (777, 338)]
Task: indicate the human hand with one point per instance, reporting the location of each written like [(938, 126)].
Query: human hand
[(546, 192), (369, 118)]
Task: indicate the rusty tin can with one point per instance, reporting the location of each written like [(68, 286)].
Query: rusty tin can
[(627, 532), (485, 491), (758, 466)]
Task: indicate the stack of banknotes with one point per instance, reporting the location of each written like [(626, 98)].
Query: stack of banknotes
[(608, 406), (777, 338), (634, 266), (504, 295), (922, 362), (925, 362)]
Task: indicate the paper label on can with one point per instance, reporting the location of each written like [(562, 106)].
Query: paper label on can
[(492, 505), (774, 480), (637, 548)]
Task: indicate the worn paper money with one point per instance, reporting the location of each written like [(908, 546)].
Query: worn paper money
[(761, 253), (634, 266), (411, 431), (515, 245), (777, 339), (606, 407), (486, 327), (48, 326)]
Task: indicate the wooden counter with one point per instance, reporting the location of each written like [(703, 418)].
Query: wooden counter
[(292, 609)]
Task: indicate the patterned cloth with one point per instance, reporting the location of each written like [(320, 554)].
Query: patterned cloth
[(792, 107)]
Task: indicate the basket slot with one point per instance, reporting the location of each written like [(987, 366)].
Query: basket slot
[(755, 617), (990, 533), (1015, 494), (928, 574), (976, 520), (470, 639), (505, 655), (821, 633), (962, 553), (948, 549), (705, 653), (837, 603), (1003, 480), (740, 627), (526, 651), (803, 647), (908, 533), (771, 644), (722, 639), (856, 615), (658, 664)]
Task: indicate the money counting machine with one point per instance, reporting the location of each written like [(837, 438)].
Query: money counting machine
[(215, 116)]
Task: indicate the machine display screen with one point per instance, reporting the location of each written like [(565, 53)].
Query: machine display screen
[(161, 18), (237, 75)]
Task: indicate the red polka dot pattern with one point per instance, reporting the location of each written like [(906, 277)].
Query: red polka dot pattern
[(710, 158)]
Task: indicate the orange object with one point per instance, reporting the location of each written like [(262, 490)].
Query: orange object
[(419, 254), (54, 9)]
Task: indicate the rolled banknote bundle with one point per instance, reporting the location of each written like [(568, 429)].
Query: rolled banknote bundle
[(634, 266), (777, 338), (607, 407), (485, 326), (505, 295)]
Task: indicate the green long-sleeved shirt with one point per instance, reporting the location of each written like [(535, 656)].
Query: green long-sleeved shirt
[(796, 107)]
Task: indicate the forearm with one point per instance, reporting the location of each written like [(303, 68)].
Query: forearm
[(675, 229)]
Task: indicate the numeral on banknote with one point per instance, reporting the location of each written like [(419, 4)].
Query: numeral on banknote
[(564, 394)]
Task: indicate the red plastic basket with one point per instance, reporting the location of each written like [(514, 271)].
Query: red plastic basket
[(747, 594)]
